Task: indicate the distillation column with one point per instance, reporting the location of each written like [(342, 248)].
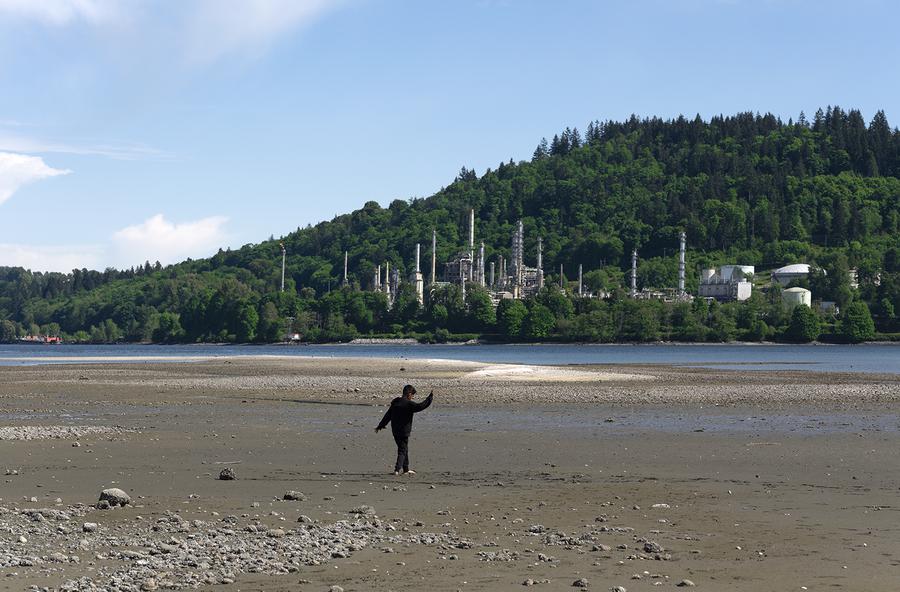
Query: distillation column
[(540, 263), (634, 273), (433, 256), (418, 280)]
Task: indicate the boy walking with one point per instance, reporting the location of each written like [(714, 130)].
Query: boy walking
[(400, 415)]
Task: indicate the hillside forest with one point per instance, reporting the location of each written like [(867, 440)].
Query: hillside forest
[(747, 189)]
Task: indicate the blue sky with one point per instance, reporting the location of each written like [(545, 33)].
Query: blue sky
[(135, 130)]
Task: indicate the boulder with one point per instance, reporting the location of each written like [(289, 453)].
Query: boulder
[(115, 497), (227, 474)]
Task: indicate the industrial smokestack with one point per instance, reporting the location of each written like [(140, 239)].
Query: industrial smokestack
[(462, 281), (346, 280), (540, 262), (681, 251), (387, 277), (416, 278), (481, 265), (561, 277), (472, 244), (634, 273), (377, 278), (283, 258), (492, 274), (433, 256), (580, 283)]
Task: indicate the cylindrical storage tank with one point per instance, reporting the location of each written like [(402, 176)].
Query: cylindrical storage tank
[(706, 274), (728, 272), (793, 297)]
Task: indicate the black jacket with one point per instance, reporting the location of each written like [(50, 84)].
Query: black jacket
[(400, 414)]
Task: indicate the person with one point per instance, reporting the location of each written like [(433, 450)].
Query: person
[(400, 416)]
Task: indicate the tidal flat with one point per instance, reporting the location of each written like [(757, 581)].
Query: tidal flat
[(639, 476)]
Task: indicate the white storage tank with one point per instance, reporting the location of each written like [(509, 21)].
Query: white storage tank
[(793, 297), (785, 275), (728, 271)]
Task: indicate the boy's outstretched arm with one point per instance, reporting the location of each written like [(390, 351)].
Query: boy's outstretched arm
[(424, 404), (384, 420)]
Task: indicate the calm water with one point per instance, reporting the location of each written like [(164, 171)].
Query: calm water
[(816, 358)]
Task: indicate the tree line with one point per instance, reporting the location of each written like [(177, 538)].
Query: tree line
[(748, 189)]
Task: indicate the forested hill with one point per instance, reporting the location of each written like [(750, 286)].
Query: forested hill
[(749, 189)]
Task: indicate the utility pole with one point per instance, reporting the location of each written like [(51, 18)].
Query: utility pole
[(634, 273), (346, 281), (283, 259)]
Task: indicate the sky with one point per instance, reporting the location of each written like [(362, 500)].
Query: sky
[(139, 130)]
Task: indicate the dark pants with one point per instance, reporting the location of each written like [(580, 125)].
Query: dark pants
[(402, 441)]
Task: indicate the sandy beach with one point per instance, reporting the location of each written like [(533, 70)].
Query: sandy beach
[(643, 477)]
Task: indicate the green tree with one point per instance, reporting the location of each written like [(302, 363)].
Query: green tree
[(511, 317), (7, 331), (804, 326), (246, 322), (539, 322), (169, 329), (482, 315), (270, 325), (856, 323), (406, 304)]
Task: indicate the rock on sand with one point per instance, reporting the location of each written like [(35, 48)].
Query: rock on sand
[(115, 497)]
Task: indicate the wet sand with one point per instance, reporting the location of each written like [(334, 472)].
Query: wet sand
[(760, 481)]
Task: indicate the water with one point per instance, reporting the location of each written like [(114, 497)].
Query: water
[(868, 358)]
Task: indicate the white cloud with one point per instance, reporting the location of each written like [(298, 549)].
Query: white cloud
[(216, 28), (157, 239), (17, 170), (21, 143), (154, 239), (63, 12), (206, 30), (55, 258)]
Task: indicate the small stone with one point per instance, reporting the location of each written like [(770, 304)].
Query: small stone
[(618, 589), (335, 589), (581, 583), (660, 506), (276, 533), (685, 584), (294, 496), (363, 510), (115, 497), (23, 540), (528, 582), (76, 444), (227, 474), (89, 527), (652, 547), (103, 505), (149, 585)]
